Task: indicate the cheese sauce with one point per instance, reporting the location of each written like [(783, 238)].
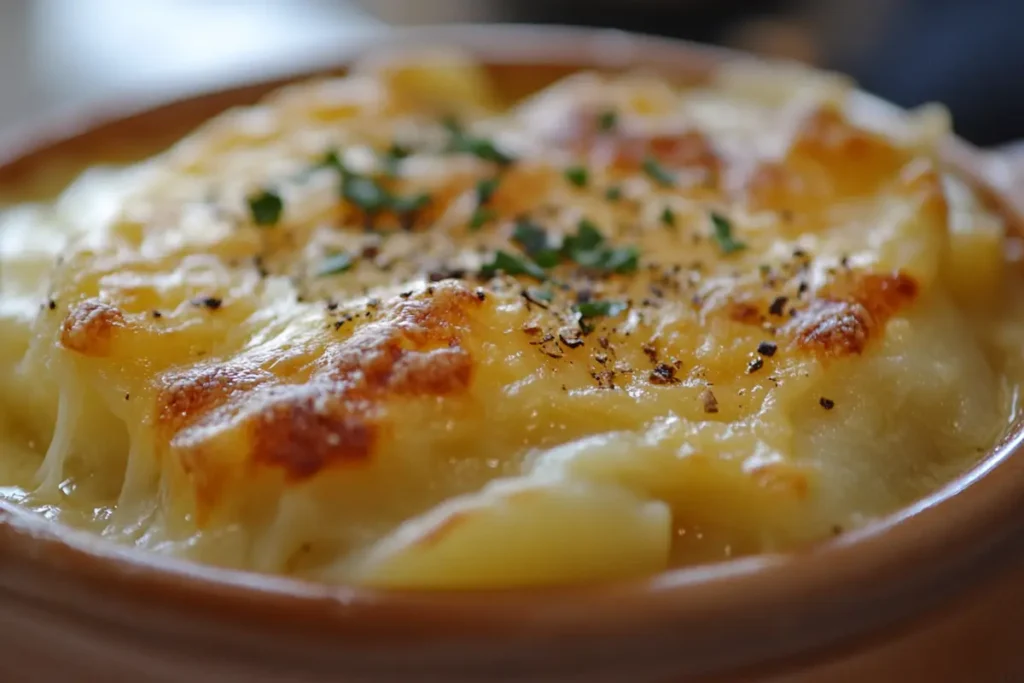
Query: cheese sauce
[(382, 330)]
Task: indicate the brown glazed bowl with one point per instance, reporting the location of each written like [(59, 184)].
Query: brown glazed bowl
[(933, 593)]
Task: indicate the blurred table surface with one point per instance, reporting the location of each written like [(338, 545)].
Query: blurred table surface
[(56, 54), (59, 54)]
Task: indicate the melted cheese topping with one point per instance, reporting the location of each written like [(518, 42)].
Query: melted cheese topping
[(382, 330)]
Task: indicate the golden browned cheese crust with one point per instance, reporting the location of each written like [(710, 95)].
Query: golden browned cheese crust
[(89, 326), (307, 418), (381, 329)]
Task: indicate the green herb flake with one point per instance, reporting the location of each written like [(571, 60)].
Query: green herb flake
[(530, 236), (266, 208), (542, 294), (668, 217), (335, 264), (607, 120), (723, 234), (410, 203), (587, 238), (394, 154), (482, 148), (534, 241), (485, 149), (658, 173), (577, 175), (587, 248), (398, 151), (622, 261), (613, 193), (481, 217), (485, 189), (599, 309), (332, 160), (549, 258), (366, 193), (511, 264), (452, 125)]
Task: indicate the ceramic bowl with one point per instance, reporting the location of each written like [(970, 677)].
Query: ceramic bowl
[(930, 593)]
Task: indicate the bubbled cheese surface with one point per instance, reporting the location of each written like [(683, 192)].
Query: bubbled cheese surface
[(382, 330)]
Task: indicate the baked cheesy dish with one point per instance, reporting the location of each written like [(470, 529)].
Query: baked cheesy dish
[(393, 330)]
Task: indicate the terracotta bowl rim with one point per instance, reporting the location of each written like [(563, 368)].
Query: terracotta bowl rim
[(774, 605)]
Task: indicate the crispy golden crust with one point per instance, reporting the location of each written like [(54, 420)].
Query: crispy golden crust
[(310, 428), (842, 323), (328, 413), (186, 397), (324, 404), (89, 328)]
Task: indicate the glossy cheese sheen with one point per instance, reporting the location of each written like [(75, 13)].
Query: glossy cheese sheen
[(742, 318)]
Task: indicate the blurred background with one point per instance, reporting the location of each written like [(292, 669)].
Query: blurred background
[(56, 54)]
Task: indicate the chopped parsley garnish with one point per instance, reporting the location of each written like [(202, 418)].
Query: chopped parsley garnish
[(482, 148), (577, 175), (266, 208), (482, 216), (398, 151), (622, 260), (410, 203), (369, 195), (511, 264), (366, 193), (541, 294), (587, 248), (607, 120), (335, 264), (658, 173), (587, 237), (452, 124), (668, 217), (534, 241), (332, 160), (723, 234), (613, 193), (548, 258), (532, 238), (394, 154), (486, 188), (607, 308)]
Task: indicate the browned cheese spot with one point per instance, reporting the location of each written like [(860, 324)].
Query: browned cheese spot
[(89, 328), (522, 188), (328, 412), (843, 320), (689, 151), (195, 393), (302, 430), (828, 158), (625, 152), (745, 312)]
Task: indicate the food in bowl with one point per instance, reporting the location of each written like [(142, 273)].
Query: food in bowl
[(389, 329)]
